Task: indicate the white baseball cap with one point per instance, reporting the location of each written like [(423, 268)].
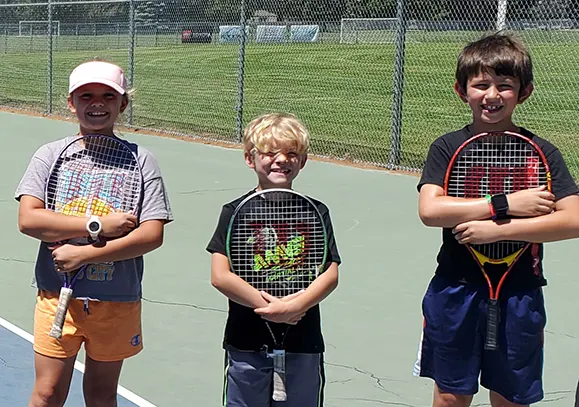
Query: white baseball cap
[(98, 72)]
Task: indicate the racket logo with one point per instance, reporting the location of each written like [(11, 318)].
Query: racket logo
[(481, 180), (274, 249), (94, 193), (85, 206)]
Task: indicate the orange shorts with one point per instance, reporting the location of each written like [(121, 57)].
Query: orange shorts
[(111, 331)]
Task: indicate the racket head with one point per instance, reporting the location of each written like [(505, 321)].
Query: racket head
[(277, 241), (95, 175), (92, 175), (492, 163)]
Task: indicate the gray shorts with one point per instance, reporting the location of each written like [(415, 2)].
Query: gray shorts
[(249, 377)]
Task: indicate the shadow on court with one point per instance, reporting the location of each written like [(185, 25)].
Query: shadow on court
[(371, 323)]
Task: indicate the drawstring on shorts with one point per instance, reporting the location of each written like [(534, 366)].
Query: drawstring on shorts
[(86, 306)]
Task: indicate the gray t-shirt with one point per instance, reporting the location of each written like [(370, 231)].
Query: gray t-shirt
[(110, 281)]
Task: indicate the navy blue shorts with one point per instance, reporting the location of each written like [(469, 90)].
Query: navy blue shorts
[(452, 351), (249, 380)]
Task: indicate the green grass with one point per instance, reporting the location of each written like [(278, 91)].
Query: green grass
[(342, 92)]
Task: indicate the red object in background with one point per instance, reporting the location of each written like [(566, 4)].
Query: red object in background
[(186, 35)]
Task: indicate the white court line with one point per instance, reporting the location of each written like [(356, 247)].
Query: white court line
[(129, 395)]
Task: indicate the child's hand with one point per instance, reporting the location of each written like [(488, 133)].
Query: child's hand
[(281, 310), (531, 202), (67, 257), (477, 232), (117, 224)]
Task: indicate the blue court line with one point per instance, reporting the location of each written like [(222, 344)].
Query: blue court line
[(17, 372)]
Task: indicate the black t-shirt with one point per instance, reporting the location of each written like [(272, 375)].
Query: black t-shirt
[(247, 331), (454, 260)]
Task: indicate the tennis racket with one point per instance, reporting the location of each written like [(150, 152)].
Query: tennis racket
[(488, 164), (93, 175), (277, 242)]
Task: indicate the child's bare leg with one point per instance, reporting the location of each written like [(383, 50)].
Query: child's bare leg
[(499, 401), (442, 399), (100, 383), (52, 381)]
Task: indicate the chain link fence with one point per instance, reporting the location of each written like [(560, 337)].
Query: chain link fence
[(372, 79)]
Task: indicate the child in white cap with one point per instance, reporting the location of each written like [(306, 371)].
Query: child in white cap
[(105, 314)]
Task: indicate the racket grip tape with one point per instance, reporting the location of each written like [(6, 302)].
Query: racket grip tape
[(61, 309), (279, 391), (493, 318)]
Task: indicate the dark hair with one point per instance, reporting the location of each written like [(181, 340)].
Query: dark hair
[(500, 52)]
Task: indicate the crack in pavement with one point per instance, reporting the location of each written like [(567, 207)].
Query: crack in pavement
[(3, 362), (8, 259), (340, 381), (564, 395), (371, 375), (199, 191), (553, 400), (386, 403), (563, 334), (545, 399), (182, 304), (329, 345)]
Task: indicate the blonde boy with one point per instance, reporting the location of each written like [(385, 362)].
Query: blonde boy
[(275, 147)]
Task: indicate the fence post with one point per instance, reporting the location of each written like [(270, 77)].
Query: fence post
[(131, 67), (49, 62), (502, 15), (397, 102), (241, 73), (157, 34)]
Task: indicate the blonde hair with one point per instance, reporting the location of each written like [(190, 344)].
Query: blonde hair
[(270, 132)]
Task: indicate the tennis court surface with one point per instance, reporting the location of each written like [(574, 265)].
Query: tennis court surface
[(371, 322)]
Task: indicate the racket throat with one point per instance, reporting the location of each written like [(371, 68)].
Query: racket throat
[(507, 261)]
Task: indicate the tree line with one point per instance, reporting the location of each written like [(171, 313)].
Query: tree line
[(313, 11)]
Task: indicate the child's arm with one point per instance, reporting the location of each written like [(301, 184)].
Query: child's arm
[(288, 309), (437, 210), (233, 286), (559, 225), (144, 239), (36, 221)]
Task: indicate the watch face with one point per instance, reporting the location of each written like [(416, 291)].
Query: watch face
[(501, 202), (94, 226)]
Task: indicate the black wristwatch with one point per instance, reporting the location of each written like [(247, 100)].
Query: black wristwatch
[(500, 205)]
